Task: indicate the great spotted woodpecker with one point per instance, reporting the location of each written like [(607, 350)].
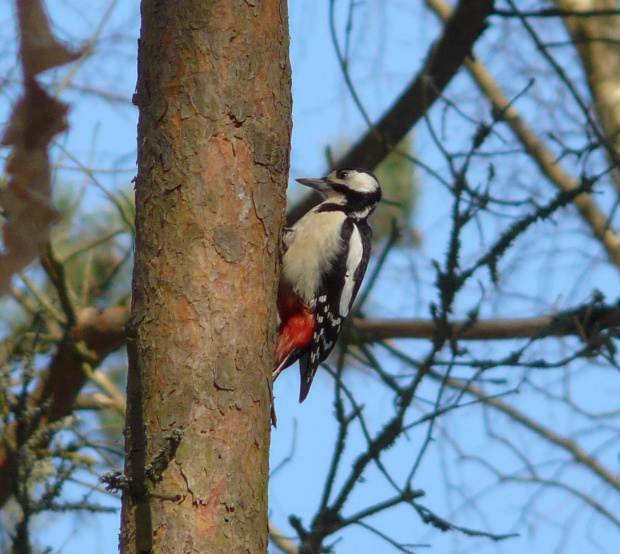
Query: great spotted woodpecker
[(325, 258)]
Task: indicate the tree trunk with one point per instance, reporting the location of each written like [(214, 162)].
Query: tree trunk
[(213, 155)]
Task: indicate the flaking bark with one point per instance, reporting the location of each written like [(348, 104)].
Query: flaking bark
[(213, 146)]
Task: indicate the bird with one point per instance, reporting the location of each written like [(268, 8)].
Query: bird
[(325, 257)]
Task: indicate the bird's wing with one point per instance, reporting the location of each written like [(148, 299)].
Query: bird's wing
[(337, 292)]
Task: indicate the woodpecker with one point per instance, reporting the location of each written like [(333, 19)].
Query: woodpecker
[(325, 256)]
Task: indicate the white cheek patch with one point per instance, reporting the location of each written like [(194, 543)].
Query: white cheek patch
[(362, 182), (354, 258)]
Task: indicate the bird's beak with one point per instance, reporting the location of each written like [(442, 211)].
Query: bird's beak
[(317, 184)]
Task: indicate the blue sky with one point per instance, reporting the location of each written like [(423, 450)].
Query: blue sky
[(555, 267)]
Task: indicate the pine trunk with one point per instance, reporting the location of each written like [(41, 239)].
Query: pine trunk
[(213, 154)]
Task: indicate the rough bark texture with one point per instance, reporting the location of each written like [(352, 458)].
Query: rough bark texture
[(213, 144)]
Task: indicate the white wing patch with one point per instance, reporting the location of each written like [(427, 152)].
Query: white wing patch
[(356, 250)]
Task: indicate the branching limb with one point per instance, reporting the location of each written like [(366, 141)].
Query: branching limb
[(548, 164), (444, 59)]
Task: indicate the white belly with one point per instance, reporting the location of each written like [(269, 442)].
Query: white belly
[(310, 248)]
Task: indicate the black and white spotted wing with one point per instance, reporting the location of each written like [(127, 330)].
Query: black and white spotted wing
[(335, 296)]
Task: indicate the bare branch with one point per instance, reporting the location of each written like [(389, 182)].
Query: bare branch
[(577, 453), (546, 161), (95, 336), (584, 322), (444, 59)]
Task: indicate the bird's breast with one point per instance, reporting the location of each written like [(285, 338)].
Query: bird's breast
[(313, 247)]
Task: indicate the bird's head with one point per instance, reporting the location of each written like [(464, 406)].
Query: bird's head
[(356, 189)]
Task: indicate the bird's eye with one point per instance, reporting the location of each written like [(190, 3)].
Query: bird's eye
[(342, 174)]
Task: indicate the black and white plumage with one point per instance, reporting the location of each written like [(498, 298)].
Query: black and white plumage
[(326, 254)]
